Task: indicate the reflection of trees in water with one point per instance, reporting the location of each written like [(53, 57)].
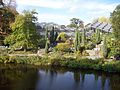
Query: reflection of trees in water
[(111, 80), (115, 82), (28, 82), (76, 75), (48, 78), (79, 77), (17, 77), (52, 75), (83, 77), (96, 77), (103, 80), (60, 70)]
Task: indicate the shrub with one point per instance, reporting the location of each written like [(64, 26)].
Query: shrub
[(58, 59), (85, 63), (62, 37), (4, 59), (90, 46), (42, 43), (63, 47), (73, 64), (113, 66), (108, 66)]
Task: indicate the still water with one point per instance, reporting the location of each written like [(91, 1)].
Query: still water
[(23, 77)]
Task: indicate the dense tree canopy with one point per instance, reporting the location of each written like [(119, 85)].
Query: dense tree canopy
[(7, 16), (7, 2), (24, 31), (76, 23), (115, 20), (103, 19)]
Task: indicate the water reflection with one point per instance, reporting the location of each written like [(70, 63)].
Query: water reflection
[(17, 77), (77, 80), (21, 77)]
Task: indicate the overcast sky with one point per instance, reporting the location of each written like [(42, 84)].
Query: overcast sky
[(61, 11)]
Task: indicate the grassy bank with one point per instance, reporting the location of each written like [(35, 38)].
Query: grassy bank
[(61, 60)]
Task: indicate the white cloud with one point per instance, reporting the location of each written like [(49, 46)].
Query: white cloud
[(73, 6), (76, 7), (56, 4), (86, 10), (60, 19)]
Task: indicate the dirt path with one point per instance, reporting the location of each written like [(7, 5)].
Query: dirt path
[(26, 55)]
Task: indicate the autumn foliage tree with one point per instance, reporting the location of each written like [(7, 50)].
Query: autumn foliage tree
[(7, 16)]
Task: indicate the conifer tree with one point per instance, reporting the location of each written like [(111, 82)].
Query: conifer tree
[(104, 47), (47, 46), (52, 35), (55, 36), (97, 36), (46, 33), (77, 40), (83, 38)]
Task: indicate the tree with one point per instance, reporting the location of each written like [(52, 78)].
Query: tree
[(105, 52), (115, 20), (47, 46), (52, 35), (7, 16), (103, 19), (77, 40), (8, 3), (1, 3), (83, 37), (97, 35), (24, 31), (76, 23), (55, 36), (46, 33)]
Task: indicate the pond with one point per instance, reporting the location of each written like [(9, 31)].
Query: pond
[(27, 77)]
